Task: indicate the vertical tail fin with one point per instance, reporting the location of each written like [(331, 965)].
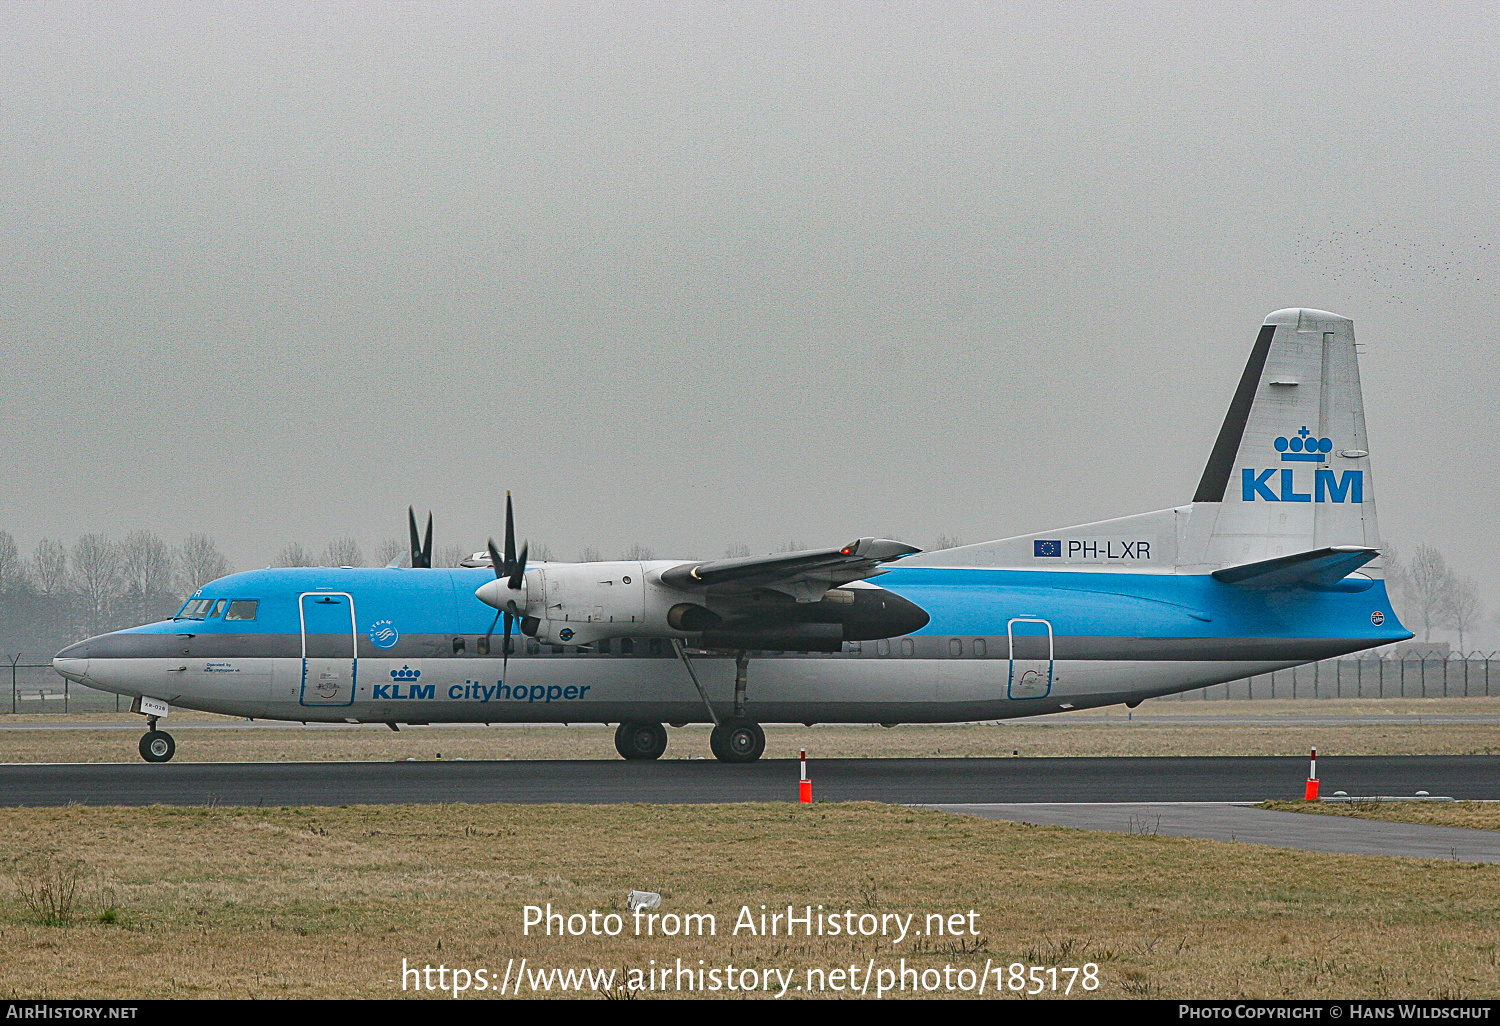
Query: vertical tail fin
[(1290, 470)]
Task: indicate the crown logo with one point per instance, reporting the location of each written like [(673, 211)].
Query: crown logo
[(1303, 448), (405, 673)]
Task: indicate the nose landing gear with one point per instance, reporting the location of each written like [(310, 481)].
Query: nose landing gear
[(157, 745)]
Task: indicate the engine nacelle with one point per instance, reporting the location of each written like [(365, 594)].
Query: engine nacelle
[(581, 603)]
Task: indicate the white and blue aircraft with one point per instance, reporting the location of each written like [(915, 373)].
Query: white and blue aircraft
[(1273, 563)]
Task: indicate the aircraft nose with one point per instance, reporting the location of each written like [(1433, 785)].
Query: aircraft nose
[(73, 662), (73, 669)]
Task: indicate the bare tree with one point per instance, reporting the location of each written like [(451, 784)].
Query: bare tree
[(589, 554), (1465, 610), (343, 552), (12, 574), (198, 562), (96, 569), (393, 550), (540, 554), (791, 546), (638, 551), (293, 554), (736, 550), (1429, 589), (1397, 581), (451, 555), (49, 567), (145, 570), (946, 541)]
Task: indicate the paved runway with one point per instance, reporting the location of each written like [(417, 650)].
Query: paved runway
[(908, 781), (1220, 822)]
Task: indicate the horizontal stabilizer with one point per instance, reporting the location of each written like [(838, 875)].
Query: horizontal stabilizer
[(1321, 568)]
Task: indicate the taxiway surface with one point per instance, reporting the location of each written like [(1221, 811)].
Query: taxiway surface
[(906, 781)]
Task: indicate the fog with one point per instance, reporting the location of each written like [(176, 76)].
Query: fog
[(692, 276)]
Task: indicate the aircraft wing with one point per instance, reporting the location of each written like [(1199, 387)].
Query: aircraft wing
[(804, 575)]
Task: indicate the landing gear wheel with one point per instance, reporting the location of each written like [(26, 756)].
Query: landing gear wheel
[(737, 740), (639, 741), (157, 746)]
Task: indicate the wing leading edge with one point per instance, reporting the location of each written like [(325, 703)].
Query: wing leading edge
[(805, 575)]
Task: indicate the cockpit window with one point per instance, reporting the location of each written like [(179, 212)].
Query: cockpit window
[(217, 609), (242, 609), (195, 609)]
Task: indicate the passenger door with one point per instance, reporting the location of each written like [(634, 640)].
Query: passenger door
[(1030, 657), (330, 663)]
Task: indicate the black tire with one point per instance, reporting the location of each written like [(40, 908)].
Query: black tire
[(737, 740), (157, 746), (640, 741)]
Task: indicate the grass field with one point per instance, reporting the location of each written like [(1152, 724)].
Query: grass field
[(327, 902), (1160, 728), (1474, 815)]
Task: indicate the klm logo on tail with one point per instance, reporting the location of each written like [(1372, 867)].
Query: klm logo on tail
[(1328, 485)]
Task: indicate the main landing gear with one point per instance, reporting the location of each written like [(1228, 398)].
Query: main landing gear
[(157, 745), (640, 741), (738, 738)]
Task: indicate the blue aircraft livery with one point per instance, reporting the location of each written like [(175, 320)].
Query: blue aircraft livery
[(873, 631)]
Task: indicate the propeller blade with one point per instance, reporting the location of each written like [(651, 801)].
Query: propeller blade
[(505, 644), (427, 544), (499, 563), (510, 539), (520, 568), (416, 548)]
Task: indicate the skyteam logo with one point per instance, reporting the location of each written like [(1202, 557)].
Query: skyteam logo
[(383, 634), (1302, 447)]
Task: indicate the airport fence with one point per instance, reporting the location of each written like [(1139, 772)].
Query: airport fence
[(1457, 676), (37, 688)]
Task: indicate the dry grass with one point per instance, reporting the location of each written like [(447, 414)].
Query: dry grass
[(1474, 815), (327, 902), (1279, 728)]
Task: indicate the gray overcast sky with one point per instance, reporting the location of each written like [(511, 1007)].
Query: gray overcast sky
[(695, 274)]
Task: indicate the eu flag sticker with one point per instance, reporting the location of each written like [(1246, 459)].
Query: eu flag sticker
[(1048, 548)]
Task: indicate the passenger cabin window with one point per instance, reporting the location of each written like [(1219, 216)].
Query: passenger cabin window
[(627, 646), (482, 645), (603, 647), (979, 647), (955, 647), (533, 647), (908, 646), (855, 648), (883, 647), (458, 646), (656, 646), (195, 609), (242, 609)]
